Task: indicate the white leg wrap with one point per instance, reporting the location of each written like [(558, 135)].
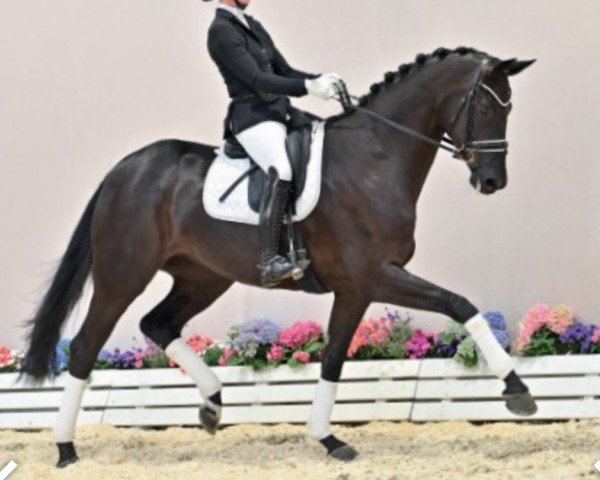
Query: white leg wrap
[(497, 359), (318, 426), (64, 428), (207, 381)]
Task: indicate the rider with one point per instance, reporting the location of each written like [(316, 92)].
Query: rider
[(259, 81)]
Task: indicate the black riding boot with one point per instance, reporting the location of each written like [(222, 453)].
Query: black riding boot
[(274, 267)]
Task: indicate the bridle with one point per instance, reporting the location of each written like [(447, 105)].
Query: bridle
[(470, 148)]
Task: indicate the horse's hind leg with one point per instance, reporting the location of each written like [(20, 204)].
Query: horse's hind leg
[(400, 287), (118, 279), (164, 324), (346, 314)]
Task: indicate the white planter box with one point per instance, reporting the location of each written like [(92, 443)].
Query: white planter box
[(418, 390)]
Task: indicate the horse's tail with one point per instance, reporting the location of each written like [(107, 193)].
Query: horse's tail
[(60, 298)]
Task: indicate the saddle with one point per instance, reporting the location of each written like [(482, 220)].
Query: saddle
[(297, 145)]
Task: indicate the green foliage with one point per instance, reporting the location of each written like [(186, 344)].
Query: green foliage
[(102, 365), (157, 360), (466, 353), (211, 355), (543, 342)]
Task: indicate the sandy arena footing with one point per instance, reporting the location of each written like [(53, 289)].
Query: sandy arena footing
[(388, 451)]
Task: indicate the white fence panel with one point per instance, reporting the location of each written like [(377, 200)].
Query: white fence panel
[(432, 389)]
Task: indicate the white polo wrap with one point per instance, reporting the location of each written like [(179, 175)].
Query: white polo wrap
[(496, 357), (318, 426), (64, 428), (207, 381)]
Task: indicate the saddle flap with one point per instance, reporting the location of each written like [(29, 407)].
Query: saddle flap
[(227, 187)]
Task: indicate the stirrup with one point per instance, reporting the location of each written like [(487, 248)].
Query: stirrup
[(269, 277)]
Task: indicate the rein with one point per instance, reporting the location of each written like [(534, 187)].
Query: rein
[(468, 150)]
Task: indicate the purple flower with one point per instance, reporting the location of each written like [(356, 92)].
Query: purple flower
[(123, 360), (445, 350), (579, 336), (502, 338), (256, 331), (495, 320)]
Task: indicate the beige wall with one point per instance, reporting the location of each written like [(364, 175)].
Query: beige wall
[(83, 83)]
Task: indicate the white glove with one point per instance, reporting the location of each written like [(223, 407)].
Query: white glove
[(322, 87), (333, 75)]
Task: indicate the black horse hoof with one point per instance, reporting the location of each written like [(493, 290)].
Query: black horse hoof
[(338, 449), (345, 453), (209, 419), (66, 454), (521, 404)]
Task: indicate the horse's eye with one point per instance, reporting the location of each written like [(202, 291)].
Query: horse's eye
[(484, 109)]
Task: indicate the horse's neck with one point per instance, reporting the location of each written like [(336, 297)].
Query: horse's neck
[(419, 102), (408, 159)]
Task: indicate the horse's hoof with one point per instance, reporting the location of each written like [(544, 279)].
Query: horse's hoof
[(66, 454), (66, 462), (521, 404), (209, 419), (345, 453)]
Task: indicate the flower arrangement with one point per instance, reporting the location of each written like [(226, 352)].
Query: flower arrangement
[(260, 343), (10, 360), (553, 330)]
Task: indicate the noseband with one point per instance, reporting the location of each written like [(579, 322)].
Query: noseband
[(470, 148)]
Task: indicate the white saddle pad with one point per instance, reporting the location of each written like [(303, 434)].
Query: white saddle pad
[(235, 208)]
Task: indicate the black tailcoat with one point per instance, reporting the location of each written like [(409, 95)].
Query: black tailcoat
[(258, 78)]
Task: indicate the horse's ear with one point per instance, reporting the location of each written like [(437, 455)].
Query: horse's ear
[(512, 66)]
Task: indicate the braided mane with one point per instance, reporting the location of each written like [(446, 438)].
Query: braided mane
[(406, 68)]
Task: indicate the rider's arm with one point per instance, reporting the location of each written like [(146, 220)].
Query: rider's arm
[(283, 68), (280, 64), (228, 48)]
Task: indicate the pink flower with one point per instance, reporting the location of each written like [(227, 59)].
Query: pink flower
[(561, 317), (302, 357), (138, 360), (199, 343), (227, 353), (418, 344), (5, 356), (275, 353), (534, 319), (556, 319), (596, 336), (299, 334), (370, 332)]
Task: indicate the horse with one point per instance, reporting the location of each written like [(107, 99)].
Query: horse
[(147, 215)]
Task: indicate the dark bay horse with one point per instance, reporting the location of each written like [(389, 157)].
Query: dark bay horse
[(147, 215)]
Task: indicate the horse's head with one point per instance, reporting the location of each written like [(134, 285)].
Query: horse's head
[(478, 124)]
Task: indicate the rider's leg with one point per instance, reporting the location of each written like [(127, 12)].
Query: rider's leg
[(265, 143)]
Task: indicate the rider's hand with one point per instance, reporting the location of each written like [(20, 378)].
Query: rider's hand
[(322, 87), (333, 75)]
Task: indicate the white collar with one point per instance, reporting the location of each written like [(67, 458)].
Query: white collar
[(239, 14)]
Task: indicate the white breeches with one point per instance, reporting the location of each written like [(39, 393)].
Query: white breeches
[(265, 143)]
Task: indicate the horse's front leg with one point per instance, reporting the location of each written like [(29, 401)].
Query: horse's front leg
[(347, 311), (400, 287)]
